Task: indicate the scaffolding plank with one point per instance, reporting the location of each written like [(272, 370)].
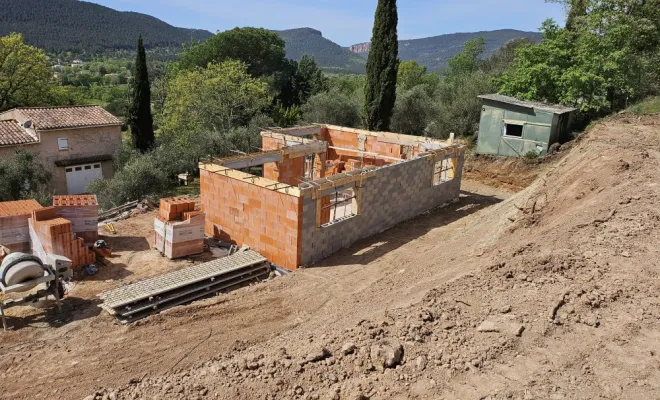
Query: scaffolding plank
[(163, 283)]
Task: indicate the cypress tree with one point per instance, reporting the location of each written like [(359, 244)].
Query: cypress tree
[(382, 67), (578, 8), (140, 118)]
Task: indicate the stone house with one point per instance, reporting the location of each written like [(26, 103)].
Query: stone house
[(76, 143)]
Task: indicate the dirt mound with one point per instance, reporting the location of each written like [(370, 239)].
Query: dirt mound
[(557, 299), (509, 173)]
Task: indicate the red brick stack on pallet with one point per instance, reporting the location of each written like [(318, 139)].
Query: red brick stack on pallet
[(179, 229), (83, 212), (52, 234), (14, 227)]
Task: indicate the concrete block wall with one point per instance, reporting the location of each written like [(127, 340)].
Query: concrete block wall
[(246, 214), (398, 192)]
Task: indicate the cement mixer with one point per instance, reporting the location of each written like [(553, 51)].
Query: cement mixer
[(21, 273)]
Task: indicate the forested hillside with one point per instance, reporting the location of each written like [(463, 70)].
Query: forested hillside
[(433, 52), (71, 25), (329, 55)]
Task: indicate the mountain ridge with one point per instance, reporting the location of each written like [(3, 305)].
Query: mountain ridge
[(72, 25), (434, 51), (84, 27)]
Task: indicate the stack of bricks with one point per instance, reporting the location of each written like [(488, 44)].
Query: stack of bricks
[(179, 228), (54, 235), (83, 212), (14, 227), (172, 209)]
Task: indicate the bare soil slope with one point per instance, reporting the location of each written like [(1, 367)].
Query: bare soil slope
[(551, 293)]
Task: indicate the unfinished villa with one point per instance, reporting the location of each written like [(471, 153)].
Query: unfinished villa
[(315, 190)]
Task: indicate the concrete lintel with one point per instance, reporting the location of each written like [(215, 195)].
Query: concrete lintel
[(252, 160), (315, 188), (301, 150), (337, 189), (390, 137), (286, 138), (298, 131)]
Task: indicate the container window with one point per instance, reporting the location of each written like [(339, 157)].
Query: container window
[(513, 130)]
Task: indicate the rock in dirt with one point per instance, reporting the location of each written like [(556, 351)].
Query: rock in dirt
[(318, 354), (421, 362), (348, 348), (387, 353), (506, 323)]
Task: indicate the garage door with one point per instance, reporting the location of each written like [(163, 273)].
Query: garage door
[(79, 176)]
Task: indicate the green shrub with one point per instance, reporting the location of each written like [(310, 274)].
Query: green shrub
[(647, 107), (333, 108), (532, 154), (141, 177), (23, 177)]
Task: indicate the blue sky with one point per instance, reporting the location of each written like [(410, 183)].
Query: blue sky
[(347, 21)]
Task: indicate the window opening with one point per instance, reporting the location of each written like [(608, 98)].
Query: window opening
[(442, 171), (69, 169), (96, 166), (88, 167), (513, 130), (343, 204), (78, 168), (62, 143)]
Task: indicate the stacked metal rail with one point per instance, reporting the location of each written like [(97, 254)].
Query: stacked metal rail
[(142, 298)]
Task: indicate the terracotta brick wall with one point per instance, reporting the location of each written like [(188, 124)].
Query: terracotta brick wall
[(288, 171), (246, 214)]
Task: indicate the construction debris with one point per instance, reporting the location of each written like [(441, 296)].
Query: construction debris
[(140, 299), (126, 210)]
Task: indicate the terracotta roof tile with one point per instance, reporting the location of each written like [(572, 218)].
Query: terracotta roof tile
[(11, 134), (45, 118)]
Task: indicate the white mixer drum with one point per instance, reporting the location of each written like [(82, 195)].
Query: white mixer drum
[(20, 267)]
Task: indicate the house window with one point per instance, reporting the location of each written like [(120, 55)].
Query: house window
[(63, 143), (78, 168), (97, 166), (443, 171), (88, 167), (342, 205), (69, 169), (513, 130)]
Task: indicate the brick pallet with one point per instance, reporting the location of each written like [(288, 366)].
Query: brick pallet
[(83, 212), (52, 234), (159, 293), (14, 226), (179, 229)]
